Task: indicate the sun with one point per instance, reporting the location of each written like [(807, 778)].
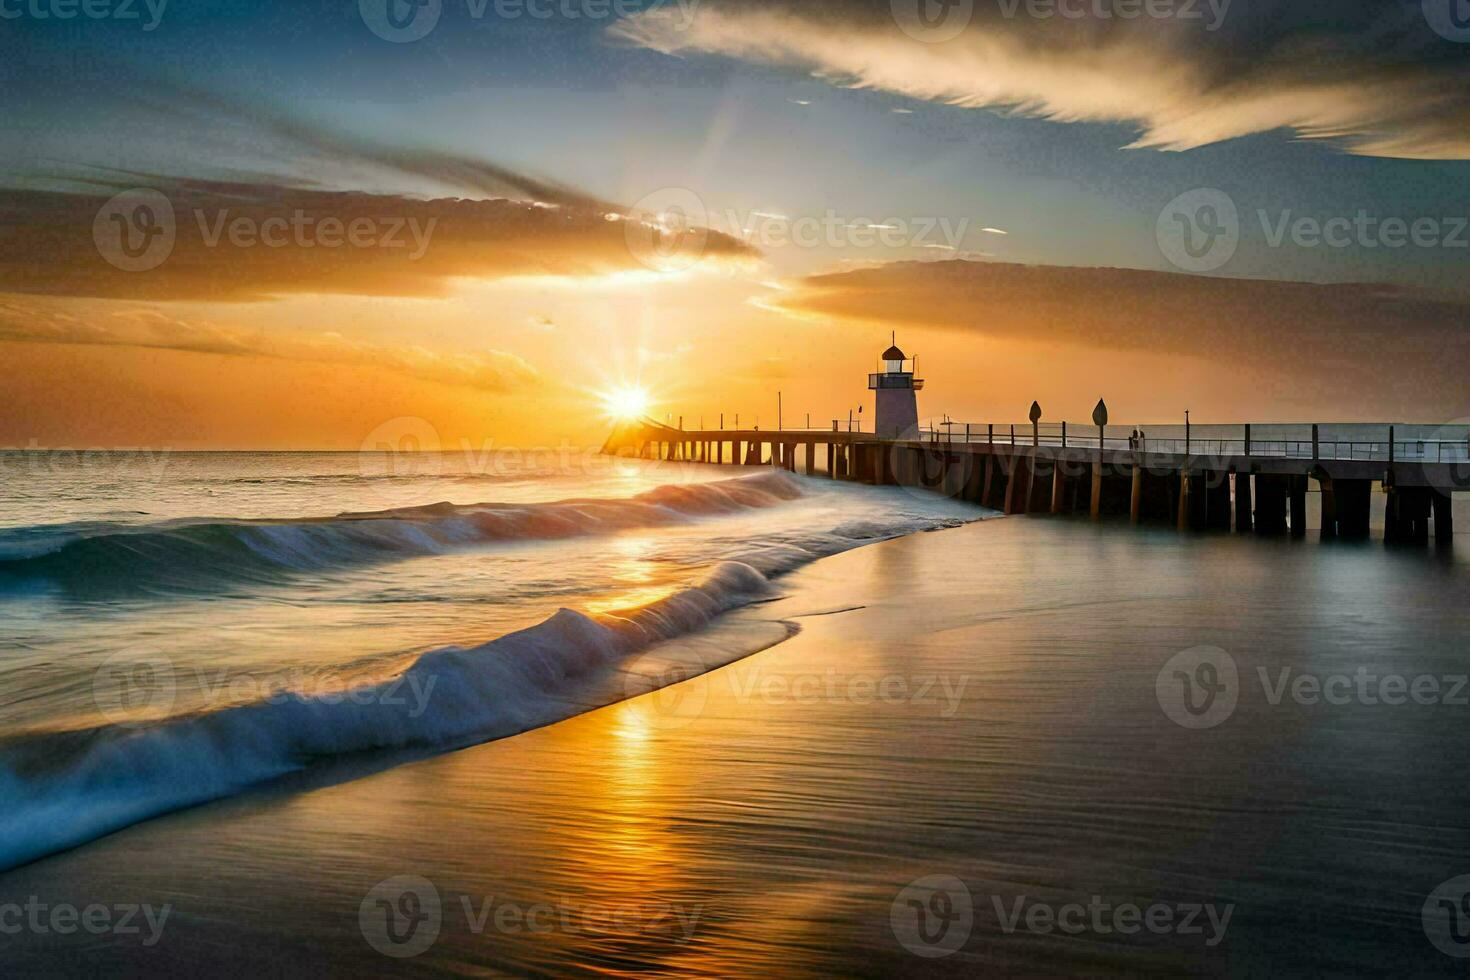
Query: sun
[(626, 402)]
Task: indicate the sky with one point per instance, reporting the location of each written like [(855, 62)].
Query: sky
[(305, 225)]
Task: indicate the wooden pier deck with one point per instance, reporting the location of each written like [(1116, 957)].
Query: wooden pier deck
[(1223, 480)]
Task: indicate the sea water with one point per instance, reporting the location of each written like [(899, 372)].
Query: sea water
[(178, 627)]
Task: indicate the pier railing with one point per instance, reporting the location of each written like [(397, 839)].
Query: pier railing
[(1336, 441)]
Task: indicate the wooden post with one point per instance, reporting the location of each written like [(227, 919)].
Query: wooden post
[(1299, 505), (1444, 518), (1182, 517), (1217, 501), (1329, 506), (1393, 515), (1135, 503), (1015, 478), (1244, 510), (1058, 484), (1097, 479), (1247, 439), (1354, 505), (1271, 492)]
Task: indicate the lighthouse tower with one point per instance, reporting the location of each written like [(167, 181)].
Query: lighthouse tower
[(897, 411)]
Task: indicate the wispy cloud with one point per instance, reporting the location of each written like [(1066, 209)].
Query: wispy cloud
[(484, 370), (297, 240), (1372, 76)]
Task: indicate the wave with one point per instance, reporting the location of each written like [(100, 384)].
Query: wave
[(64, 789), (191, 555)]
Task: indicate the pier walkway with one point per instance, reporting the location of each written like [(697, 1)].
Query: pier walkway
[(1241, 477)]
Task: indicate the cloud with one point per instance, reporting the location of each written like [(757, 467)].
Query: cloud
[(296, 240), (491, 371), (1356, 344), (302, 136), (1372, 76)]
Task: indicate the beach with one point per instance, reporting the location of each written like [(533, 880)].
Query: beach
[(974, 713)]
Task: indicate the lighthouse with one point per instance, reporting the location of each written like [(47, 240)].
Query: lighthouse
[(897, 409)]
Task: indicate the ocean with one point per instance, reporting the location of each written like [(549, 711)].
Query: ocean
[(763, 725), (204, 622)]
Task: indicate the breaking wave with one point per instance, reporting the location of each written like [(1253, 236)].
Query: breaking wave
[(66, 788), (194, 555)]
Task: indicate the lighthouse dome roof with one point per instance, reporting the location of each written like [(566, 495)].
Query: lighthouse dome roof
[(894, 354)]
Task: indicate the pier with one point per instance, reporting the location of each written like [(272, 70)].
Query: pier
[(1243, 478)]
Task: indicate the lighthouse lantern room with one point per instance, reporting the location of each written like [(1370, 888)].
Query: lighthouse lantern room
[(897, 408)]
